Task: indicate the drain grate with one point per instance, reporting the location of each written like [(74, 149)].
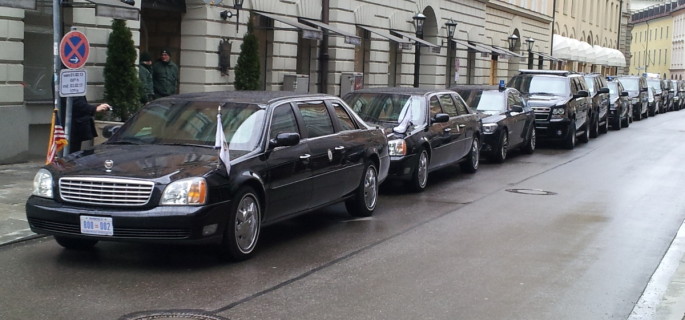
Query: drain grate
[(532, 192), (173, 315)]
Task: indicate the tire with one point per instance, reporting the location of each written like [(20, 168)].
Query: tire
[(500, 154), (365, 198), (470, 165), (638, 115), (243, 226), (419, 176), (594, 128), (585, 137), (570, 141), (530, 145), (618, 122), (75, 243)]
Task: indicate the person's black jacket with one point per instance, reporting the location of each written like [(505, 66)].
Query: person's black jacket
[(82, 122)]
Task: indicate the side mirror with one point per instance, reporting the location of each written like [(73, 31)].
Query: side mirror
[(285, 139), (581, 94), (604, 90), (109, 130), (441, 117), (517, 108), (643, 89), (624, 94)]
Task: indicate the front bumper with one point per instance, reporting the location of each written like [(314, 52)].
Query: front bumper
[(402, 167), (163, 224), (552, 130)]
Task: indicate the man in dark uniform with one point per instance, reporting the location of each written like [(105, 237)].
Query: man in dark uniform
[(164, 75), (82, 122), (147, 91)]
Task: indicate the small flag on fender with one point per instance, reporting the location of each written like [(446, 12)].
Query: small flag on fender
[(221, 144), (58, 138)]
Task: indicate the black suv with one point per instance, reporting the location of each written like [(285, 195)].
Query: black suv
[(561, 103), (638, 91), (599, 92), (660, 96)]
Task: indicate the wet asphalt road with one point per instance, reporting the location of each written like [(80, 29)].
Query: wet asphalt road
[(465, 249)]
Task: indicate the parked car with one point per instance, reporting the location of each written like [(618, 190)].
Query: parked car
[(561, 103), (508, 121), (427, 130), (669, 94), (638, 91), (159, 178), (657, 104), (677, 95), (620, 108), (597, 87)]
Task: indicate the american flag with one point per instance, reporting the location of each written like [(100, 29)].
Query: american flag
[(221, 143), (58, 138)]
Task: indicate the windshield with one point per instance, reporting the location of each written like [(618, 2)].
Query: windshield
[(536, 84), (613, 89), (590, 84), (489, 101), (656, 84), (387, 107), (194, 123), (631, 84)]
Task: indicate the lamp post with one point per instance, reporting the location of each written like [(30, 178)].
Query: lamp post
[(451, 27), (529, 43), (237, 5), (513, 41), (419, 19)]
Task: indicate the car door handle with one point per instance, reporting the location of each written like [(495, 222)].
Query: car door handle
[(305, 156), (338, 148), (447, 129), (462, 126)]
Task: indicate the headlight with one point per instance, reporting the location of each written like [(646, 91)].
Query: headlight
[(397, 147), (558, 111), (191, 191), (42, 184), (489, 128)]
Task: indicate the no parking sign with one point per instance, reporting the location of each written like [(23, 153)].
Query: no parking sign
[(74, 49)]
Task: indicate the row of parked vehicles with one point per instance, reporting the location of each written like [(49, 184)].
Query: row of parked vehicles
[(160, 177)]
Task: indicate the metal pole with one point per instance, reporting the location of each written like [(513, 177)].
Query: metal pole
[(551, 40), (530, 58), (323, 50), (417, 63), (56, 63)]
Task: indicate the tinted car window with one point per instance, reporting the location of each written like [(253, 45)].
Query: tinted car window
[(387, 108), (316, 119), (448, 105), (591, 85), (461, 106), (346, 122), (283, 121), (434, 106), (491, 101), (541, 84), (630, 84), (194, 123)]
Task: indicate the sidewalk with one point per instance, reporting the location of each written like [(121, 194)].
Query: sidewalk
[(16, 183), (663, 299)]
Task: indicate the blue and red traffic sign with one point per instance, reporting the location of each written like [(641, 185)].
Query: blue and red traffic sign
[(74, 49)]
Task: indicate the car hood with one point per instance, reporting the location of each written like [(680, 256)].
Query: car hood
[(492, 116), (152, 162), (539, 100)]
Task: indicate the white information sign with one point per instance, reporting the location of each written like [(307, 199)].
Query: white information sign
[(72, 82)]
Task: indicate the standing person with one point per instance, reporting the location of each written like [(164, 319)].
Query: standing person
[(82, 122), (164, 75), (147, 91)]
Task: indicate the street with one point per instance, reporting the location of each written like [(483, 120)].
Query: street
[(559, 234)]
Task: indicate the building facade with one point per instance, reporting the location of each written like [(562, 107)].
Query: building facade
[(330, 46), (654, 40)]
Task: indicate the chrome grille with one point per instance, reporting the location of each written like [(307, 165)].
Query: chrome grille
[(105, 191), (542, 113)]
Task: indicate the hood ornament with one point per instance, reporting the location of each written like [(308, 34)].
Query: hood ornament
[(108, 165)]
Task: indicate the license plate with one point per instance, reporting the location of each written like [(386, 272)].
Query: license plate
[(101, 226)]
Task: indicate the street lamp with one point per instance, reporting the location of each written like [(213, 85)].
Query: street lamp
[(237, 5), (419, 19), (451, 27), (529, 43), (513, 41)]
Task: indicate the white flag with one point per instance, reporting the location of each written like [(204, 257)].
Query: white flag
[(405, 118), (221, 144)]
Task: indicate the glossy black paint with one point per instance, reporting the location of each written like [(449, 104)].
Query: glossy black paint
[(515, 118), (287, 183), (446, 136), (599, 92)]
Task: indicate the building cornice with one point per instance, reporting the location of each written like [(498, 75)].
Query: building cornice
[(516, 10)]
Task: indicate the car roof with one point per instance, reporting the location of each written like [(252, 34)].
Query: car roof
[(403, 90), (255, 97), (474, 87), (563, 73)]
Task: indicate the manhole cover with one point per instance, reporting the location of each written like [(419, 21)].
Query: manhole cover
[(173, 315), (533, 192)]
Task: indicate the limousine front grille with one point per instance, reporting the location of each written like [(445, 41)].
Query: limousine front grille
[(105, 191)]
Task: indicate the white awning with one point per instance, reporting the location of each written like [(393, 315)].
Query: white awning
[(470, 46), (413, 38), (349, 38), (385, 35), (307, 31)]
